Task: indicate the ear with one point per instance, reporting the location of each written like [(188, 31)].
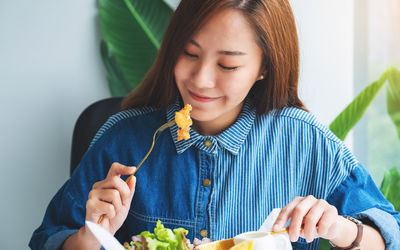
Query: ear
[(262, 75)]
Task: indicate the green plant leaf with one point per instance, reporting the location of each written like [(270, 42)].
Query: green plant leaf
[(390, 187), (393, 97), (117, 83), (348, 118), (132, 31), (324, 244)]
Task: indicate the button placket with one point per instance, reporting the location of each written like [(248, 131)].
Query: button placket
[(206, 182), (204, 193), (212, 199)]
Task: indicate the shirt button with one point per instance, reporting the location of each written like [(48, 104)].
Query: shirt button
[(207, 143), (206, 182), (203, 233)]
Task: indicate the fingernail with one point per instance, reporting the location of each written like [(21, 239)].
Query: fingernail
[(129, 178), (294, 237)]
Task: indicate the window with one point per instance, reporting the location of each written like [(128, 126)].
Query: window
[(376, 46)]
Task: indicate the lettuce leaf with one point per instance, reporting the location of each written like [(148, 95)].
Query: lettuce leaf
[(165, 235), (162, 239), (180, 236)]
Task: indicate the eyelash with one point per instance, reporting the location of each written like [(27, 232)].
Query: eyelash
[(222, 67), (188, 54), (228, 68)]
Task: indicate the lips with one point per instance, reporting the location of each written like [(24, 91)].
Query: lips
[(201, 98)]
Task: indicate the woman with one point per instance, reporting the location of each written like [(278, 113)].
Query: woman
[(253, 145)]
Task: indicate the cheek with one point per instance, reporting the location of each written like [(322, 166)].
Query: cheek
[(181, 70), (238, 85), (178, 74)]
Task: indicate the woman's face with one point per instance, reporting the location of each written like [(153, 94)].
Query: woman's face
[(217, 70)]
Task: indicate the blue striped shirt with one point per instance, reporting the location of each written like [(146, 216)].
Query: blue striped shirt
[(220, 185)]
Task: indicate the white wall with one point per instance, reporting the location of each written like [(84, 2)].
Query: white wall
[(325, 31), (50, 70)]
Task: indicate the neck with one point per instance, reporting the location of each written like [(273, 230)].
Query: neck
[(217, 125), (208, 128)]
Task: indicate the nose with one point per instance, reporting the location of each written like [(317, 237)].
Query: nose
[(203, 76)]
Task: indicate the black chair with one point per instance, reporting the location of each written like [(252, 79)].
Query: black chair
[(88, 123)]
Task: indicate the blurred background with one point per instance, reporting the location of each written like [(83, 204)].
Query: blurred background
[(51, 70)]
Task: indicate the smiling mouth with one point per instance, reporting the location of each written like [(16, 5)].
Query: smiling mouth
[(202, 98)]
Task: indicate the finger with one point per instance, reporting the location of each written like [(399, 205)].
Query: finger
[(131, 181), (117, 183), (312, 219), (96, 208), (118, 169), (298, 216), (111, 196), (327, 226), (333, 231), (285, 213)]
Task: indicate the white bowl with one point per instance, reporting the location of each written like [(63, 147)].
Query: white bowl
[(265, 241)]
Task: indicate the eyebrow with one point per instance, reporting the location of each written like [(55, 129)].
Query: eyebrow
[(222, 52)]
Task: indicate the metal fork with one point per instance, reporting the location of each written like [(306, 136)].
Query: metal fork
[(163, 127)]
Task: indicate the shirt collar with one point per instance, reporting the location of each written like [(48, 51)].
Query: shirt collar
[(230, 139)]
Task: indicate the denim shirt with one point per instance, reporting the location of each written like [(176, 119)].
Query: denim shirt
[(219, 185)]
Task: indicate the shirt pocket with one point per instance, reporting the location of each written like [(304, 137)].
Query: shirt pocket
[(137, 223)]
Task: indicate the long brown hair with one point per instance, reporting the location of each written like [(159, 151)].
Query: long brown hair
[(275, 28)]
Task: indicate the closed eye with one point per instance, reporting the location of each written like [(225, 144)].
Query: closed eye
[(189, 55), (228, 68), (220, 65)]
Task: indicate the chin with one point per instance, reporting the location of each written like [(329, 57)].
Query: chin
[(203, 116)]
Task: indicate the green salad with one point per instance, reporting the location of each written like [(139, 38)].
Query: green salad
[(162, 239)]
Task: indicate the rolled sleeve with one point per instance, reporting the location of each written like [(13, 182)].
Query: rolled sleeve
[(359, 197), (67, 210), (57, 240), (385, 223), (64, 216)]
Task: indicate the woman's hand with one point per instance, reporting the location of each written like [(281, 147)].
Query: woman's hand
[(310, 218), (112, 198)]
